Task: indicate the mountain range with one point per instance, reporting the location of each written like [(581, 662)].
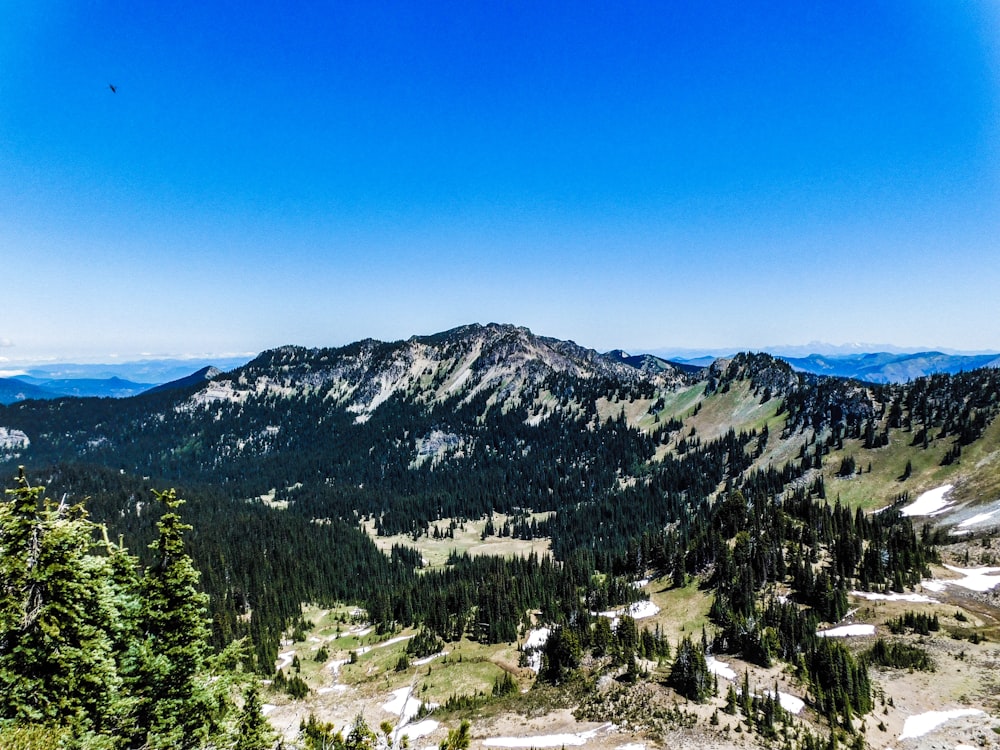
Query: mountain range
[(122, 380)]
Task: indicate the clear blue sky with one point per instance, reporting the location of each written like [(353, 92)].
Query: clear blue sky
[(643, 175)]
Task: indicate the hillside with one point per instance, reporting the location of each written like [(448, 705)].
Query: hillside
[(744, 488)]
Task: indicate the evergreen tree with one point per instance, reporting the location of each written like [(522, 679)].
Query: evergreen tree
[(457, 739), (689, 674), (175, 707), (253, 732), (59, 607)]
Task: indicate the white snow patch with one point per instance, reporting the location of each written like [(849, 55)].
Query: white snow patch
[(929, 503), (720, 668), (847, 630), (973, 579), (876, 597), (631, 746), (791, 703), (284, 659), (640, 583), (420, 729), (404, 705), (638, 610), (267, 708), (537, 638), (542, 740), (978, 518), (921, 724), (397, 639), (428, 659)]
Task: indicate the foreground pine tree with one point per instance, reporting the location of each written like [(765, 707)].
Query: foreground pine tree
[(94, 654), (60, 610)]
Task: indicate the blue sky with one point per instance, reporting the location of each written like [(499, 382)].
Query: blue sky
[(639, 175)]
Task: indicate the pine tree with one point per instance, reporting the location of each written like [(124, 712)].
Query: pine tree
[(175, 709), (58, 606), (457, 739), (252, 730)]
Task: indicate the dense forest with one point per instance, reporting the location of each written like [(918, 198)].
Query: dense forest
[(623, 499)]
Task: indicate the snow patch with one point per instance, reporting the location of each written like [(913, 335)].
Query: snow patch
[(844, 631), (876, 597), (536, 639), (636, 610), (428, 659), (929, 503), (397, 639), (420, 729), (543, 740), (978, 518), (631, 746), (921, 724), (645, 608), (404, 705), (720, 668), (791, 703), (973, 579), (284, 659)]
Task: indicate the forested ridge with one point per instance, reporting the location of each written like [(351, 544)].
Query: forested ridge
[(612, 453)]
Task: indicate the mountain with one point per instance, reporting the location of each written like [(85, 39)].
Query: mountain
[(886, 367), (653, 364), (108, 381), (152, 371), (16, 389), (194, 379)]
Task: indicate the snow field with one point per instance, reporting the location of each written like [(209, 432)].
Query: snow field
[(845, 631), (929, 503), (973, 579), (921, 724), (549, 740), (875, 597)]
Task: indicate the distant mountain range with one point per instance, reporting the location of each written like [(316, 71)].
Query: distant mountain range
[(110, 381), (126, 379), (884, 367), (873, 367)]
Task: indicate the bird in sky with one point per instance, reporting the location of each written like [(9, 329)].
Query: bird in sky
[(113, 89)]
